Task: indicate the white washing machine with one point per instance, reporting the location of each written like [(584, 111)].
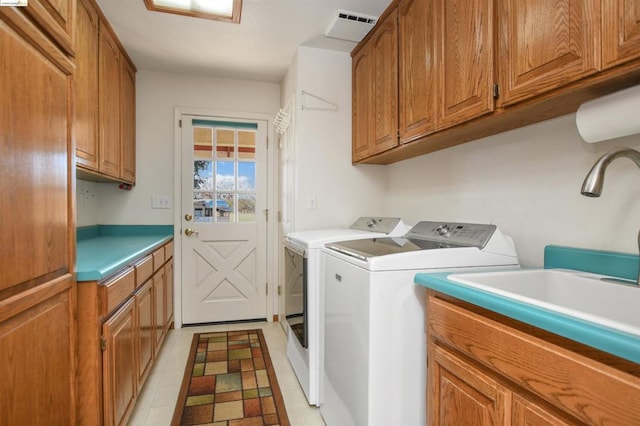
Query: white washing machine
[(303, 296), (375, 343)]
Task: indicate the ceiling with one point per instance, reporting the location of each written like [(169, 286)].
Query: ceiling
[(260, 48)]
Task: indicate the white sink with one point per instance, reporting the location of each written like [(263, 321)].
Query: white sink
[(578, 294)]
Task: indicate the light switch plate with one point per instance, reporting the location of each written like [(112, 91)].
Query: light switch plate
[(161, 202), (312, 202)]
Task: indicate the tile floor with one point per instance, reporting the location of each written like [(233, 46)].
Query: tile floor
[(158, 398)]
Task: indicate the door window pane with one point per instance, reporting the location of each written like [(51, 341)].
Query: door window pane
[(246, 176), (203, 174), (225, 208), (225, 143), (202, 142), (202, 207), (247, 145), (246, 208), (225, 176)]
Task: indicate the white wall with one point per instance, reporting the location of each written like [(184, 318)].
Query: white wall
[(157, 95), (322, 142), (87, 203), (526, 181)]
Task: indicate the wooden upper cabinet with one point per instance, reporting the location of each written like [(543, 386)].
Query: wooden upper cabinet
[(57, 18), (127, 121), (385, 81), (620, 31), (105, 101), (362, 103), (417, 65), (109, 97), (545, 45), (465, 59), (86, 83)]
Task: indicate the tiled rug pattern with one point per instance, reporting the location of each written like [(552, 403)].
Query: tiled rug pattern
[(229, 381)]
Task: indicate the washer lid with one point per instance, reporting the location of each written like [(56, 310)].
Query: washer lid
[(374, 247), (425, 235)]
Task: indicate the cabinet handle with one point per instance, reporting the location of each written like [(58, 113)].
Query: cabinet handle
[(339, 278)]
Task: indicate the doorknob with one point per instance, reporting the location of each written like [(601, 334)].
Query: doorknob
[(188, 217), (189, 232)]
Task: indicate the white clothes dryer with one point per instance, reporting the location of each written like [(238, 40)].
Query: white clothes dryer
[(303, 295)]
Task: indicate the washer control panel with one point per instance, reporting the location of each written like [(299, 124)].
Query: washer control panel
[(376, 224), (464, 234)]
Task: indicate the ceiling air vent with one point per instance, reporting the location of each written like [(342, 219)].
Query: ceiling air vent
[(350, 26)]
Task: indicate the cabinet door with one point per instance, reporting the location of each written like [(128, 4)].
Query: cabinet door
[(35, 142), (526, 412), (37, 356), (416, 55), (158, 302), (465, 57), (620, 31), (545, 45), (109, 83), (362, 99), (119, 376), (385, 83), (460, 394), (86, 81), (57, 18), (168, 276), (127, 121), (144, 327)]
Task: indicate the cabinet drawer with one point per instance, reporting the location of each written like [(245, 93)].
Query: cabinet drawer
[(144, 270), (158, 258), (118, 289), (168, 250), (565, 379)]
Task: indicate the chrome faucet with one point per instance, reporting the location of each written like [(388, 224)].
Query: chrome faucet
[(592, 185)]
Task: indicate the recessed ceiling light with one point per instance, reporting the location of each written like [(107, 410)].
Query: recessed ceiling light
[(220, 10)]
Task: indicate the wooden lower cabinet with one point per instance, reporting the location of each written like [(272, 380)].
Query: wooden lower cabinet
[(121, 327), (462, 394), (159, 302), (169, 291), (486, 369), (37, 356), (144, 340), (119, 364)]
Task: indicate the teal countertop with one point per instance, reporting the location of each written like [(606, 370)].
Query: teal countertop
[(619, 265), (103, 250)]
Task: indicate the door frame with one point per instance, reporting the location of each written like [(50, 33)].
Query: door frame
[(272, 204)]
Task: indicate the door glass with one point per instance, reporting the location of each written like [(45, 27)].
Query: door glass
[(225, 176), (232, 198), (247, 145), (225, 143)]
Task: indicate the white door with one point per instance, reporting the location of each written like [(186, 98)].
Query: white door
[(224, 232)]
